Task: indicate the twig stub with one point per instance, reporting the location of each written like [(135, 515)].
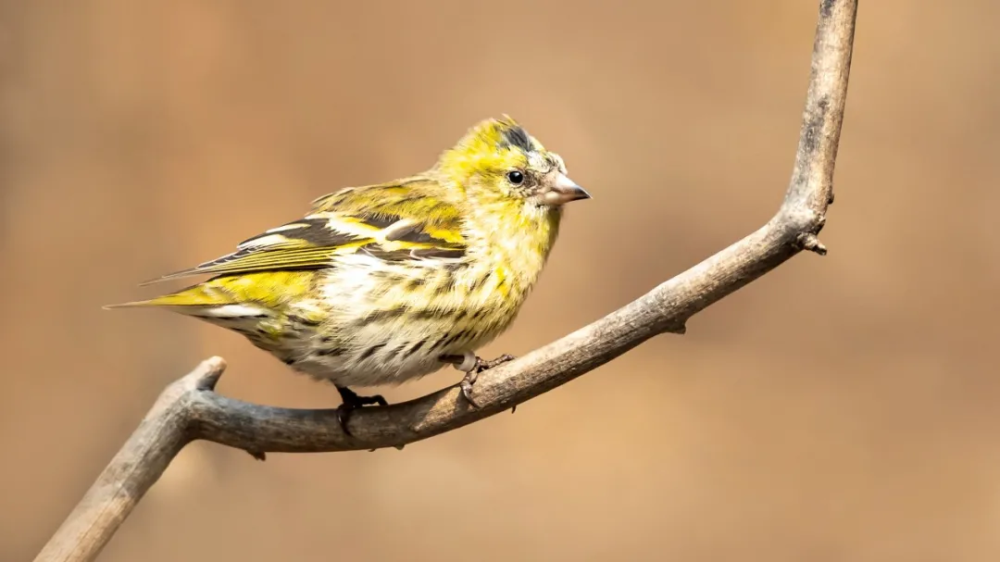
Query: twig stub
[(811, 242)]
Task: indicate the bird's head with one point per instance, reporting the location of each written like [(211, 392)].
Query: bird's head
[(497, 160)]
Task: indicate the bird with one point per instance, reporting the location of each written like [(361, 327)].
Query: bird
[(386, 283)]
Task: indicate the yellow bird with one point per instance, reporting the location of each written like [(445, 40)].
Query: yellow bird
[(386, 283)]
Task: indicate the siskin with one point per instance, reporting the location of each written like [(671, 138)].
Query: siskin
[(386, 283)]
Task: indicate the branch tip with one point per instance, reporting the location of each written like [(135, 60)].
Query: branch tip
[(207, 374)]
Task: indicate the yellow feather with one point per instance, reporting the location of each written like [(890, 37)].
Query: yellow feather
[(269, 288), (194, 296)]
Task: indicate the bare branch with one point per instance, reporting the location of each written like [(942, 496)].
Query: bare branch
[(190, 409), (136, 467)]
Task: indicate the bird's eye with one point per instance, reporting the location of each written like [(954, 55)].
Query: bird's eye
[(515, 177)]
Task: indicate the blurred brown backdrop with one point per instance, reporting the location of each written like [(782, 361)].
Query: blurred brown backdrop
[(840, 408)]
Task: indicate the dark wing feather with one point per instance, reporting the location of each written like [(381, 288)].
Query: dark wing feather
[(395, 221)]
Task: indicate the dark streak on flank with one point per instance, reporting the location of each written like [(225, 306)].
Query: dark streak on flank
[(440, 343), (414, 284), (474, 333), (453, 338), (382, 315), (371, 351), (416, 348), (462, 335), (480, 282), (426, 314), (447, 284), (434, 314), (330, 352)]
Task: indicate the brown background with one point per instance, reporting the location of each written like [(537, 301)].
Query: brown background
[(842, 408)]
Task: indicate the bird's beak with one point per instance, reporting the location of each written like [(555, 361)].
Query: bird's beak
[(562, 190)]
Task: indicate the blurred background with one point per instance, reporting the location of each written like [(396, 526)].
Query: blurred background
[(840, 408)]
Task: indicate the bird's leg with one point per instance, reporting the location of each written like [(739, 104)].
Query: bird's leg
[(471, 364), (351, 402)]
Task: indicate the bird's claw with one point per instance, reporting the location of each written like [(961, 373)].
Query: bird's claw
[(478, 366), (351, 402), (466, 385), (483, 364)]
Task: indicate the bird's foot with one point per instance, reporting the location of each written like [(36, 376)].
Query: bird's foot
[(467, 381), (472, 365), (351, 402), (483, 364)]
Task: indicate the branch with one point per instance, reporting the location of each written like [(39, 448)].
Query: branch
[(189, 409)]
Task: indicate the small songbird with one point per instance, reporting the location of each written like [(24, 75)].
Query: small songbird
[(386, 283)]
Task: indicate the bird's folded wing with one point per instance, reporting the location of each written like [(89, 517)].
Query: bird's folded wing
[(396, 221)]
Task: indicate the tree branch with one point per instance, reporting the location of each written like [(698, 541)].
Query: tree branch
[(189, 409)]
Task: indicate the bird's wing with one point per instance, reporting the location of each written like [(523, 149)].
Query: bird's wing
[(397, 221)]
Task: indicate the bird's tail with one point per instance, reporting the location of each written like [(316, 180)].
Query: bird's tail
[(225, 300), (198, 296)]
